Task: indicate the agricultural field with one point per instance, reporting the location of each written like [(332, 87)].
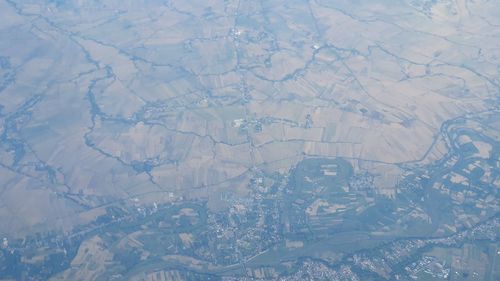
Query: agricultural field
[(249, 140)]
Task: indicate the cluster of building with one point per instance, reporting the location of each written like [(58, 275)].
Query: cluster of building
[(385, 261), (429, 265)]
